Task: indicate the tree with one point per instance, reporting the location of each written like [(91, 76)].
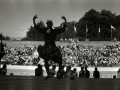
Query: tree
[(33, 34), (117, 23), (91, 20), (107, 19), (95, 20), (2, 37), (69, 33)]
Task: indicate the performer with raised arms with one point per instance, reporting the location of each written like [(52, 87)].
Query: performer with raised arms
[(49, 51)]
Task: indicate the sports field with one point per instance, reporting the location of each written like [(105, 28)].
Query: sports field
[(23, 76), (39, 83)]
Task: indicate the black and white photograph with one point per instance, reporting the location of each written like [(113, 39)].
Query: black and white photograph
[(59, 44)]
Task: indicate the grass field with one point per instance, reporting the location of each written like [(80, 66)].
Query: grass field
[(39, 83), (22, 43)]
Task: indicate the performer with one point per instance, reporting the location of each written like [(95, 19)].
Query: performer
[(49, 51)]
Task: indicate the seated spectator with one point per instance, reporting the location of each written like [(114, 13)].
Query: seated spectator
[(68, 71), (3, 70), (61, 73), (96, 73), (73, 74), (81, 73), (87, 73), (52, 71), (38, 71)]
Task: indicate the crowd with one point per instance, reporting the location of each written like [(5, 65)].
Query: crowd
[(77, 55), (73, 54), (70, 40), (20, 55), (68, 72)]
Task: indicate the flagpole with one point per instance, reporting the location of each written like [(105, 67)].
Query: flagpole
[(74, 31), (86, 31), (111, 34), (61, 39), (0, 52), (62, 36), (99, 33), (86, 35), (74, 34)]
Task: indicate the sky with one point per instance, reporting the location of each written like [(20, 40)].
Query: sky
[(16, 15)]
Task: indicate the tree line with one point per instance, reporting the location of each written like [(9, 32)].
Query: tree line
[(2, 37), (97, 23)]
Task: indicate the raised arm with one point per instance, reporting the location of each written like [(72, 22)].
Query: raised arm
[(63, 28), (65, 23), (34, 23), (41, 30)]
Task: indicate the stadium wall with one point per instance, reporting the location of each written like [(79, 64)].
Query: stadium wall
[(105, 72)]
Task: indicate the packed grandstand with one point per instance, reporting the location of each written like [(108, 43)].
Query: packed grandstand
[(73, 54)]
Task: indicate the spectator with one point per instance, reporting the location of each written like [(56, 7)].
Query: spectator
[(3, 70), (73, 74), (63, 71), (73, 54), (68, 71), (96, 73), (52, 71), (87, 73), (114, 76), (59, 73), (38, 71), (81, 73)]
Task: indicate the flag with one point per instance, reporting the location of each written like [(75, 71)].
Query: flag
[(75, 28), (86, 29), (112, 27), (99, 30)]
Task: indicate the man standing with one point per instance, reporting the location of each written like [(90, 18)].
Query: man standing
[(96, 73), (38, 71), (49, 51), (87, 73), (81, 73)]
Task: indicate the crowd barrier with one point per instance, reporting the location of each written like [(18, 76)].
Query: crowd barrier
[(105, 72)]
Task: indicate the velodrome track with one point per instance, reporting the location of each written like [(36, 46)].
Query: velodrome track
[(39, 83), (105, 72)]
